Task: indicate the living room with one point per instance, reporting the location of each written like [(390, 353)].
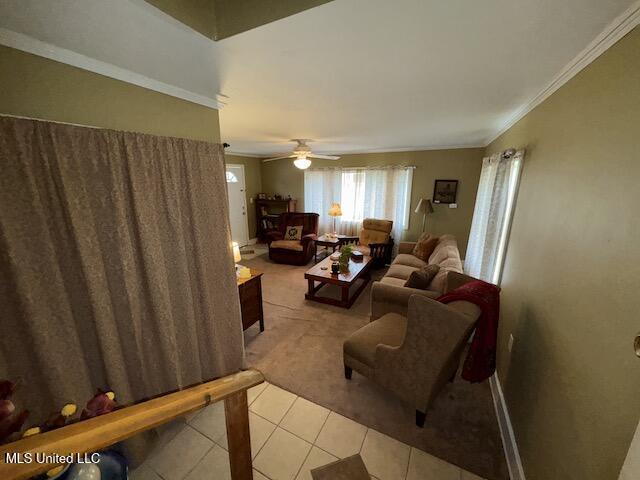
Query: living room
[(428, 206)]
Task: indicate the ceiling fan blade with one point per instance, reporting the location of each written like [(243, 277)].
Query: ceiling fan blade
[(323, 157), (277, 158)]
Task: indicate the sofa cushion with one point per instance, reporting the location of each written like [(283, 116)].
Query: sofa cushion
[(367, 237), (409, 260), (287, 245), (425, 246), (293, 232), (447, 246), (398, 282), (440, 280), (389, 330), (377, 224), (422, 278), (400, 271)]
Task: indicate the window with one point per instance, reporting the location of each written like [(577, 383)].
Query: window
[(383, 193), (495, 203), (231, 177)]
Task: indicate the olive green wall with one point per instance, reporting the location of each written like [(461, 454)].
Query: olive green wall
[(462, 164), (198, 14), (572, 274), (236, 16), (253, 184), (219, 19), (37, 87)]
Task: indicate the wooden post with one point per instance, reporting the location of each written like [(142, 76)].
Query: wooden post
[(236, 411)]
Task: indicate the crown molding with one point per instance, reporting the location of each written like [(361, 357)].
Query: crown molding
[(617, 29), (360, 152), (28, 44), (420, 148), (240, 154)]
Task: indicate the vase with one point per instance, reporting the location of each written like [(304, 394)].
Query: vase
[(344, 266)]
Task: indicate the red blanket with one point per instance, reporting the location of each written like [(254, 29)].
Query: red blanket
[(481, 359)]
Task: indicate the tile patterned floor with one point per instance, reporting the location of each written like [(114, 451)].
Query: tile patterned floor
[(290, 436)]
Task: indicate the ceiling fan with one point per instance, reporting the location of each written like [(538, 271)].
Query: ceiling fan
[(302, 153)]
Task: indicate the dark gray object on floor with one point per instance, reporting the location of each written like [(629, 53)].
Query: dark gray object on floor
[(350, 468)]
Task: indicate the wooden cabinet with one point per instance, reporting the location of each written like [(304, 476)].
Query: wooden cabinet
[(268, 215), (250, 291)]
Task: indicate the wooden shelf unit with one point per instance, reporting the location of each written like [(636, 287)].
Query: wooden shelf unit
[(268, 219)]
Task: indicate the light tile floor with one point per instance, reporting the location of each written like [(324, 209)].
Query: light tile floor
[(290, 436)]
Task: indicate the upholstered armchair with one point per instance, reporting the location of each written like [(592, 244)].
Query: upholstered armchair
[(294, 252), (375, 240), (415, 354)]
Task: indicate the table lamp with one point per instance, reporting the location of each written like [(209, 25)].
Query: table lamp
[(236, 254), (424, 206), (335, 211)]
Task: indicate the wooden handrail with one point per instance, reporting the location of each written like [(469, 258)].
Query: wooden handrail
[(98, 433)]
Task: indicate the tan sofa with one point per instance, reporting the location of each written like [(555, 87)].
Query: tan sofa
[(414, 354), (390, 294)]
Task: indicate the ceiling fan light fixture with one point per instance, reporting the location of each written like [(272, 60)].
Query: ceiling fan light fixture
[(302, 163)]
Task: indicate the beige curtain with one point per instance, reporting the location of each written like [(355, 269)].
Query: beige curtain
[(115, 264)]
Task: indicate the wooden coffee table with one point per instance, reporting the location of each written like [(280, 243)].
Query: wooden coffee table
[(357, 271)]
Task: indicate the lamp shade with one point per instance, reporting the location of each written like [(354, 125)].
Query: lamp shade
[(236, 252), (424, 206), (335, 210)]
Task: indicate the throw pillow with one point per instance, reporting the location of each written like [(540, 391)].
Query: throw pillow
[(422, 278), (293, 232), (425, 246)]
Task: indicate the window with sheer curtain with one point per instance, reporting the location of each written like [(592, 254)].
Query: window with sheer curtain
[(495, 202), (383, 192)]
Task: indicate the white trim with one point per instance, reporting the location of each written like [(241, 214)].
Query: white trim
[(246, 208), (266, 156), (512, 455), (253, 241), (238, 154), (617, 29), (28, 44)]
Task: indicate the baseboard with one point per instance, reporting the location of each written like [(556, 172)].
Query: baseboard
[(252, 241), (506, 430)]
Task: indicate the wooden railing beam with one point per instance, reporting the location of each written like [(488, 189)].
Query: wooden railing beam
[(236, 412), (100, 432)]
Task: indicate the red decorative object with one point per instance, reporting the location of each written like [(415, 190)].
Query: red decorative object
[(101, 403), (11, 420), (480, 363)]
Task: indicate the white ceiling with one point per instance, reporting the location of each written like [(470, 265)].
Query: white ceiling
[(354, 75)]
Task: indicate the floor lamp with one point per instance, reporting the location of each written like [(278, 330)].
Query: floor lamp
[(424, 206)]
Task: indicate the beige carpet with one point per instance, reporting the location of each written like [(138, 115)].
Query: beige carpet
[(301, 351)]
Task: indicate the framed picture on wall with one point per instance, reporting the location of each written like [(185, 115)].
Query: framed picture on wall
[(445, 191)]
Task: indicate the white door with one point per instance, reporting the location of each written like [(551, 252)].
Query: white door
[(237, 204)]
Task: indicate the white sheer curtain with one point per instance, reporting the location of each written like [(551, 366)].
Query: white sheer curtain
[(495, 200), (382, 193)]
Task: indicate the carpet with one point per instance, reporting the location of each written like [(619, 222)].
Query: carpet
[(301, 351)]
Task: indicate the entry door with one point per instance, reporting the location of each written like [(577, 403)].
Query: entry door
[(237, 204)]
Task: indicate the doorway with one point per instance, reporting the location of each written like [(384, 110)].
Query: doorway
[(237, 204)]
